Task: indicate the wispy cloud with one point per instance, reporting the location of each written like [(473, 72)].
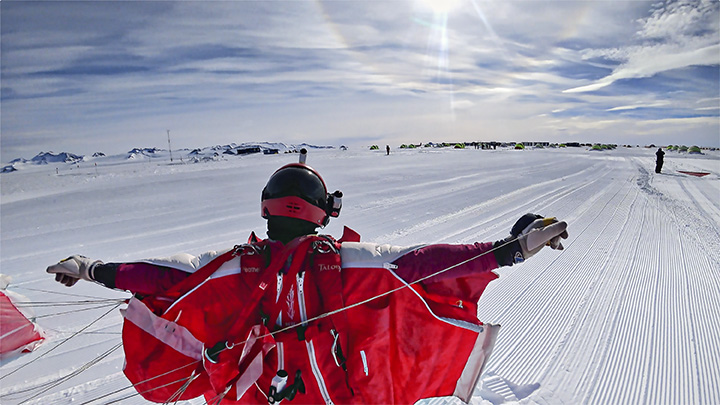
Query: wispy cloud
[(676, 35), (681, 121), (639, 105)]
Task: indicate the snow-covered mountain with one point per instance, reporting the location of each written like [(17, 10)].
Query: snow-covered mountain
[(211, 153)]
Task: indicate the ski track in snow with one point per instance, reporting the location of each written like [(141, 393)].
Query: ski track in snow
[(627, 313)]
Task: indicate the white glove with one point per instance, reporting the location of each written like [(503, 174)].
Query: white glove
[(542, 232), (72, 269), (529, 234)]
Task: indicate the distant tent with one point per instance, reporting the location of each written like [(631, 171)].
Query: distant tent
[(17, 332)]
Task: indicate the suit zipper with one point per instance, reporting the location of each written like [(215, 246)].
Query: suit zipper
[(309, 344), (278, 322)]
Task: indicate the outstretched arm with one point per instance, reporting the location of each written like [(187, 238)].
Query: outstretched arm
[(449, 261), (142, 278), (465, 270)]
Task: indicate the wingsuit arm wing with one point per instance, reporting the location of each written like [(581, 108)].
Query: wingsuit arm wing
[(461, 271), (140, 278), (152, 276), (456, 260), (465, 270)]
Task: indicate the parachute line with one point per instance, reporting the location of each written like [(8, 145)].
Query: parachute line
[(140, 393), (61, 343), (324, 315), (394, 290), (73, 311), (69, 303), (75, 373), (57, 292), (142, 382), (193, 376)]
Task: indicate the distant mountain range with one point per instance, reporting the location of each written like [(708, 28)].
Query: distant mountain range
[(208, 153)]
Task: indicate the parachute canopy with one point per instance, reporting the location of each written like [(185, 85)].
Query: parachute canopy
[(17, 332)]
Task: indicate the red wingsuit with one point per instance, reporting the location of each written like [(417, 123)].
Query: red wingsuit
[(341, 319)]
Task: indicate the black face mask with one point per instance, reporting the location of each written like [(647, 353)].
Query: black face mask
[(285, 229)]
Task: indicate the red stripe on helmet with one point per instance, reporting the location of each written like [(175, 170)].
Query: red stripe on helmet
[(293, 207)]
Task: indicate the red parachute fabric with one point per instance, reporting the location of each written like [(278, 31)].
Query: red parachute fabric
[(400, 352), (17, 332), (415, 343)]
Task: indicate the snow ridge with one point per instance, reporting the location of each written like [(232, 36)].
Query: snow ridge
[(184, 155)]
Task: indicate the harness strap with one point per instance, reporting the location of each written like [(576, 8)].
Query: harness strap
[(327, 267), (295, 266), (320, 246), (244, 319)]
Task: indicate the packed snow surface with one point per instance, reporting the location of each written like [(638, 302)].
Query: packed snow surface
[(627, 313)]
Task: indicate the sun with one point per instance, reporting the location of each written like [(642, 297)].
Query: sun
[(440, 6)]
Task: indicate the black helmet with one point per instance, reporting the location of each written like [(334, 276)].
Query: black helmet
[(297, 191)]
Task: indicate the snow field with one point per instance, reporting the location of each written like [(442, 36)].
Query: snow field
[(630, 320), (627, 313)]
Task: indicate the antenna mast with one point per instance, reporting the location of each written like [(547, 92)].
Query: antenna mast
[(170, 148)]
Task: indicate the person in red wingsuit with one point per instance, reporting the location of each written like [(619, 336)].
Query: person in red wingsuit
[(304, 317)]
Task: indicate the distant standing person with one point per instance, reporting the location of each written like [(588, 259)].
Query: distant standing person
[(387, 148), (659, 162)]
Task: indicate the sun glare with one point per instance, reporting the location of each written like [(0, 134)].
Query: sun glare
[(440, 6)]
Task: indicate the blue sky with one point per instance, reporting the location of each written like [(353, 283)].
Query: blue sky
[(109, 76)]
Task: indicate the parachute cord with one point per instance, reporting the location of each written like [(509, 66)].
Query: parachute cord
[(38, 304), (151, 389), (45, 384), (363, 302), (309, 320), (260, 390), (75, 373), (407, 285), (148, 380), (140, 393), (15, 286), (61, 343), (178, 394), (71, 312), (321, 316), (217, 399)]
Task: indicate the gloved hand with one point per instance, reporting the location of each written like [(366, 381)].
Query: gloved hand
[(529, 234), (72, 269)]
